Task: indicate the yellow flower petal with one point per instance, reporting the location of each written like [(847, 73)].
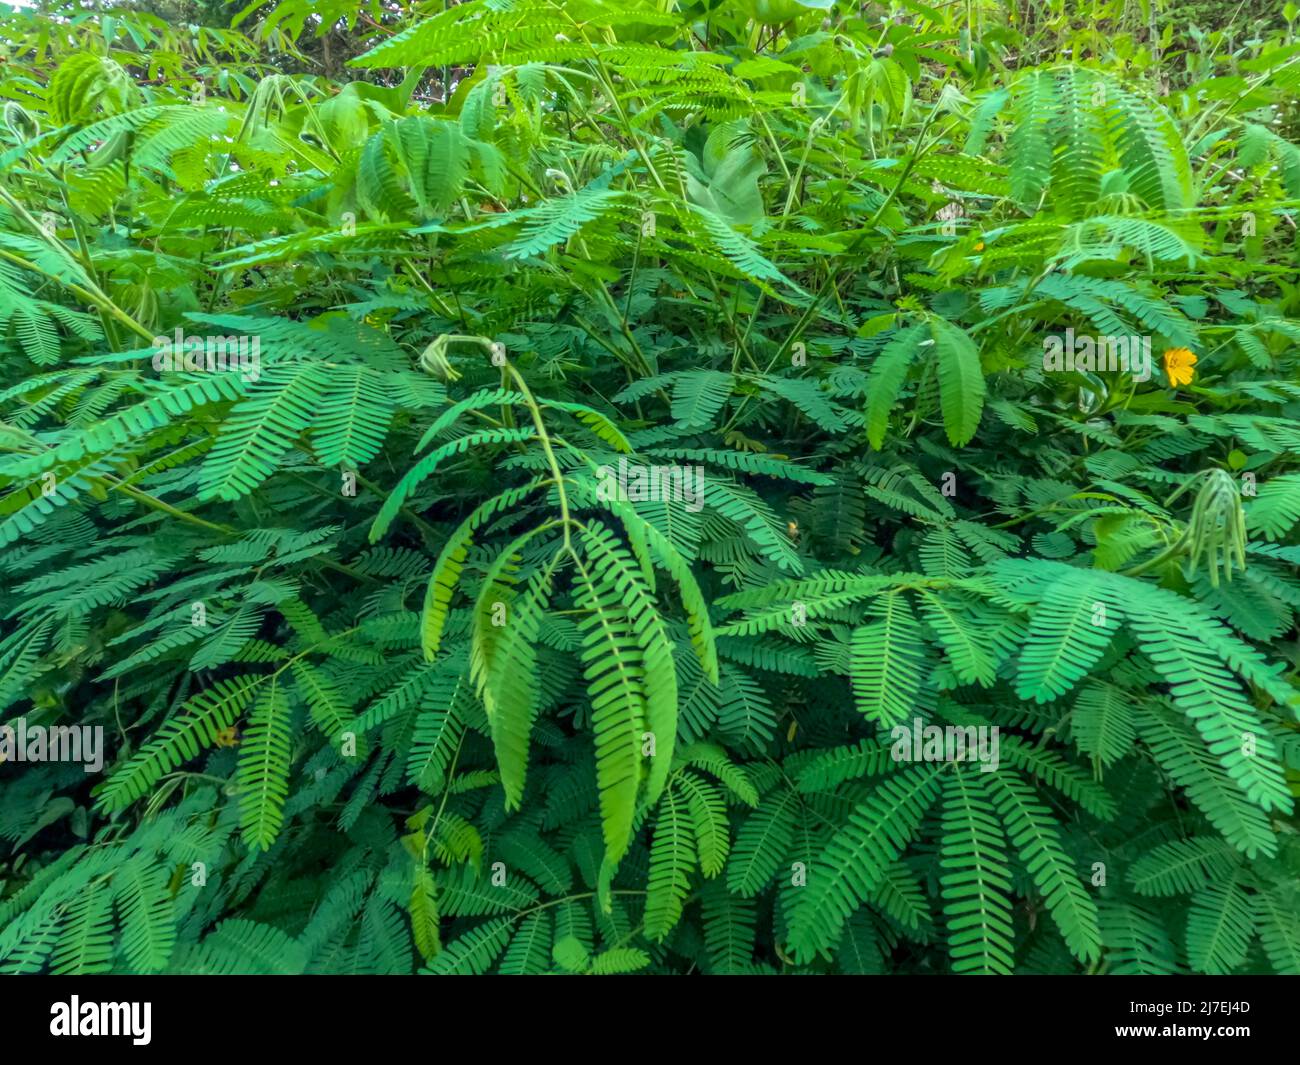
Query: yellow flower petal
[(1178, 366)]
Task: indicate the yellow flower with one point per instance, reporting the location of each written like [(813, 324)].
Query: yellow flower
[(979, 246), (1178, 366)]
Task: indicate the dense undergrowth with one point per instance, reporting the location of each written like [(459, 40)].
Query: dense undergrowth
[(621, 417)]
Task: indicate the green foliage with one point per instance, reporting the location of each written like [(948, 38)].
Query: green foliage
[(604, 505)]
